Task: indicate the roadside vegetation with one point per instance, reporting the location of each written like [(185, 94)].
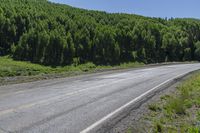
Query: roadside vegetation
[(9, 68), (175, 113)]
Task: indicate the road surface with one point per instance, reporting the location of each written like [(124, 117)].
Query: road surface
[(72, 105)]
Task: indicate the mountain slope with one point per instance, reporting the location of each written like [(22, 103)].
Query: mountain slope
[(53, 34)]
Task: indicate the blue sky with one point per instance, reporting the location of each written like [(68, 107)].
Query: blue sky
[(152, 8)]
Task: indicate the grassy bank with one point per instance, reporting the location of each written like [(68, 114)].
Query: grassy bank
[(175, 113), (10, 68)]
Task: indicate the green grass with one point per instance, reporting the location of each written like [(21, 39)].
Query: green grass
[(178, 112), (9, 68)]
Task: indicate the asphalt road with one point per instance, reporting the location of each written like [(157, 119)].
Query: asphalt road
[(72, 105)]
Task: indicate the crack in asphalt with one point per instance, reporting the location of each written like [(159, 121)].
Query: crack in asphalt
[(3, 130)]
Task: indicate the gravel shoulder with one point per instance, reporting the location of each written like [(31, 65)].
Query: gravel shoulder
[(134, 118)]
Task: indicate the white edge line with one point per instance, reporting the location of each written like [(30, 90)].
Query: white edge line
[(93, 126)]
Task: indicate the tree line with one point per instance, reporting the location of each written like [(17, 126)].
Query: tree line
[(54, 34)]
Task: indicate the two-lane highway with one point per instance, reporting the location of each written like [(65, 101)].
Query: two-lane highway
[(72, 105)]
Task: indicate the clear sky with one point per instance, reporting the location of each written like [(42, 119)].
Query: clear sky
[(152, 8)]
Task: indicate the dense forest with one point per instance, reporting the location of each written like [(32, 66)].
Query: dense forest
[(53, 34)]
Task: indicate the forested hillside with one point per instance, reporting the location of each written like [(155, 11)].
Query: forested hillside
[(55, 34)]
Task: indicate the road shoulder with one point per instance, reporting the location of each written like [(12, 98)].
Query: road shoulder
[(133, 118)]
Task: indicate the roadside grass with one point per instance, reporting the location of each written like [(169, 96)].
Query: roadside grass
[(175, 113), (10, 68)]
